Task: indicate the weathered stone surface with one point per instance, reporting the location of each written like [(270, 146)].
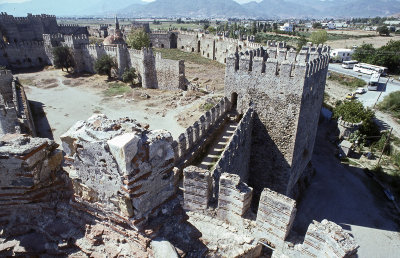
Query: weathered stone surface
[(124, 148), (328, 239), (163, 249), (275, 217), (121, 165)]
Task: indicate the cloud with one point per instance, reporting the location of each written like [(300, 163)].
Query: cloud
[(13, 1)]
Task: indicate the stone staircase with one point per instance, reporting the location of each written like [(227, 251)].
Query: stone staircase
[(222, 139)]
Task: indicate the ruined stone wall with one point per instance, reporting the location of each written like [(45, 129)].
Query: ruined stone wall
[(24, 54), (347, 128), (234, 197), (160, 39), (170, 73), (327, 239), (15, 113), (189, 42), (275, 217), (190, 143), (235, 158), (25, 164), (276, 88), (207, 47), (121, 166), (197, 184), (6, 93)]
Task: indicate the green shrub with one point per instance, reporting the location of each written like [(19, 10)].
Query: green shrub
[(354, 112), (391, 104), (346, 80)]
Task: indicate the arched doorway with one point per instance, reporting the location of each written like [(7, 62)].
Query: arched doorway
[(198, 46), (234, 98), (173, 43)]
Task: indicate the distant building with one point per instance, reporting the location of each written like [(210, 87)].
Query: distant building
[(287, 27), (341, 54)]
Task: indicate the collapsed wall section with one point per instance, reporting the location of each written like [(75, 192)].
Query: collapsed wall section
[(275, 217), (326, 238), (121, 166), (28, 168)]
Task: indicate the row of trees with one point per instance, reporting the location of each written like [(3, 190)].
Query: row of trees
[(388, 55)]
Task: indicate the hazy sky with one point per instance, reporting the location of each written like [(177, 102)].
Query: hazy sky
[(20, 1)]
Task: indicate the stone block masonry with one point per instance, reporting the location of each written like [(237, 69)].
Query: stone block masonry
[(275, 217), (236, 156), (28, 168), (120, 165), (234, 198), (329, 240), (197, 184), (15, 113), (286, 93)]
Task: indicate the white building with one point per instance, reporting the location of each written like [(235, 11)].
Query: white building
[(287, 27), (341, 54)]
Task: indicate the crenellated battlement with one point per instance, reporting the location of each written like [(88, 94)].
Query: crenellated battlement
[(57, 36), (68, 25), (133, 51), (278, 61), (110, 49)]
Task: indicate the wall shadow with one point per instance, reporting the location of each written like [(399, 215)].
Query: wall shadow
[(43, 128), (268, 167)]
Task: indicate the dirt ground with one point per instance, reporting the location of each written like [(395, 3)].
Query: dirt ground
[(212, 79), (349, 43), (65, 99)]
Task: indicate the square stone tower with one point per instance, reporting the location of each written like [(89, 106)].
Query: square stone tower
[(286, 92)]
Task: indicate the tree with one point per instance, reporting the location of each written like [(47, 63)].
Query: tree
[(317, 25), (254, 28), (354, 112), (383, 31), (211, 29), (319, 37), (129, 75), (104, 65), (63, 58), (137, 39), (301, 42), (364, 53)]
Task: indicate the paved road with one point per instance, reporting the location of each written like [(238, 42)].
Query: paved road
[(345, 195), (369, 98)]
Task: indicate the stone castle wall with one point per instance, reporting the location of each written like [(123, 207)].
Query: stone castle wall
[(191, 143), (15, 112), (30, 28), (285, 92), (235, 158)]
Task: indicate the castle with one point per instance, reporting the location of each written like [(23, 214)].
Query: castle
[(26, 50), (120, 186)]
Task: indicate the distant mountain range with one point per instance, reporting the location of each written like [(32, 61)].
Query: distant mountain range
[(208, 8)]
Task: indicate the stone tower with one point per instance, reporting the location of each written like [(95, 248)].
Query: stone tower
[(286, 91), (116, 23)]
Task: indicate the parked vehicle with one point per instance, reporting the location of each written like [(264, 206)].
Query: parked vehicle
[(340, 55), (370, 69), (361, 90), (349, 64), (374, 81), (350, 96)]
